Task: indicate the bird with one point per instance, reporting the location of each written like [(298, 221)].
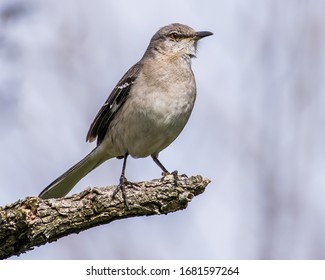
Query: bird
[(146, 110)]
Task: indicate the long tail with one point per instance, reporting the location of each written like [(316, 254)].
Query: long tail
[(62, 185)]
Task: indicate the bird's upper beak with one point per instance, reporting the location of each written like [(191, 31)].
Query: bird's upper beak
[(201, 34)]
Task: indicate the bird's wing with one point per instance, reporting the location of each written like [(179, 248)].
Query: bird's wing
[(113, 104)]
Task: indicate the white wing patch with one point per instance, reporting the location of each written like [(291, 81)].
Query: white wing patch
[(114, 106), (126, 84)]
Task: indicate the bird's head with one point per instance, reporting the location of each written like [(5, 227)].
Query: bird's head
[(176, 39)]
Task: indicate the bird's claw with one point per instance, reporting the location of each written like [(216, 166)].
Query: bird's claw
[(121, 186), (175, 176)]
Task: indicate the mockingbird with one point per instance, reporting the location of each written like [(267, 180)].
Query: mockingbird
[(146, 110)]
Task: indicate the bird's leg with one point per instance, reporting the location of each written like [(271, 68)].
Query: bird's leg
[(123, 183), (165, 171)]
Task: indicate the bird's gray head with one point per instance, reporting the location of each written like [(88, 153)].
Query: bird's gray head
[(176, 39)]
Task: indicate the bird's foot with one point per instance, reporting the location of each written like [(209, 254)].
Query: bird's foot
[(174, 174), (121, 186)]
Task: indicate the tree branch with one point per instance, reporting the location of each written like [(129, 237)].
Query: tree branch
[(34, 221)]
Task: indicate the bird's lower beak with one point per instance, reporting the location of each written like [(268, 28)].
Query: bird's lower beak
[(201, 34)]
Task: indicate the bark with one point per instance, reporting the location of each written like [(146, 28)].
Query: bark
[(33, 222)]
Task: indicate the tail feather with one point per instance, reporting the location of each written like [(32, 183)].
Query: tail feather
[(63, 184)]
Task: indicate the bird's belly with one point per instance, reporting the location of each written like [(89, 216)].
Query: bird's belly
[(151, 125), (157, 128)]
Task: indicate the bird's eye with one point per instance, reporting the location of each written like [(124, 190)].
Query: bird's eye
[(174, 36)]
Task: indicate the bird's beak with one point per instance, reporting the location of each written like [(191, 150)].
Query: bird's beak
[(201, 34)]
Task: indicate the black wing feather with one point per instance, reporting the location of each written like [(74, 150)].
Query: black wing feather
[(113, 104)]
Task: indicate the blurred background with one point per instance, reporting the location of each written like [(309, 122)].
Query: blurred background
[(257, 130)]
